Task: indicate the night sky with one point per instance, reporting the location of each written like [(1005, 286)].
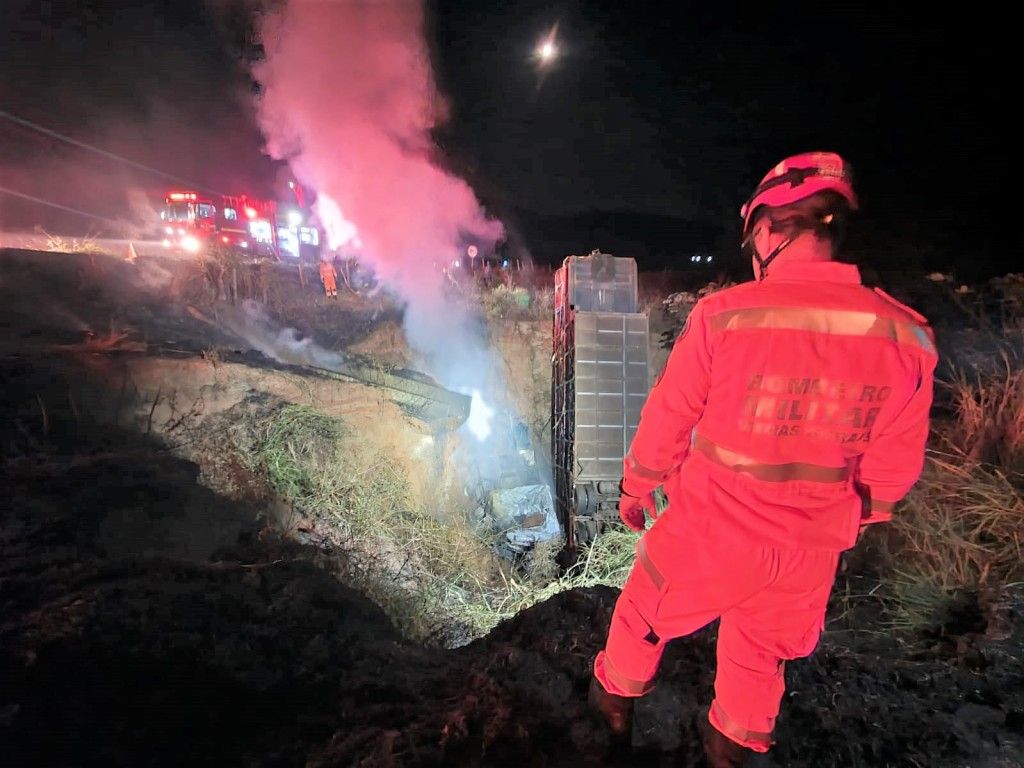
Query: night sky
[(644, 138)]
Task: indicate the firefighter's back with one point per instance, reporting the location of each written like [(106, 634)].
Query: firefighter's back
[(808, 369)]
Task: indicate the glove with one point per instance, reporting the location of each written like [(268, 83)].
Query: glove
[(633, 510)]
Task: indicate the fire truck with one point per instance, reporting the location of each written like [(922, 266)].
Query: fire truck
[(193, 222)]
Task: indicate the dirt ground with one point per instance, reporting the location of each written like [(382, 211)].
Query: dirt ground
[(146, 619)]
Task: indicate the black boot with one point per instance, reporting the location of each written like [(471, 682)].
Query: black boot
[(614, 711), (721, 751)]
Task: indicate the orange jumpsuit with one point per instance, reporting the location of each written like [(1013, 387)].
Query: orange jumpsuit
[(791, 412), (329, 276)]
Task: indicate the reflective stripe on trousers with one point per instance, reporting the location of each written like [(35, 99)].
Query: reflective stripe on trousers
[(647, 565), (755, 740)]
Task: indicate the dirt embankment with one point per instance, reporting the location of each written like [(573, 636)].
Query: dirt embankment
[(152, 614), (253, 653)]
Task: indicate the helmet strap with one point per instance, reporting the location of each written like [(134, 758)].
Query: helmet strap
[(762, 263)]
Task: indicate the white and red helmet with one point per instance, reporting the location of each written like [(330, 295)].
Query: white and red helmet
[(799, 177)]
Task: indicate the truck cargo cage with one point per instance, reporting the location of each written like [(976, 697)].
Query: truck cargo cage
[(599, 383)]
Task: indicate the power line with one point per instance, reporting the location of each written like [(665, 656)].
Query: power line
[(110, 155), (23, 196)]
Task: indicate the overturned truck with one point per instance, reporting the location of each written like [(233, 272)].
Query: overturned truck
[(600, 380)]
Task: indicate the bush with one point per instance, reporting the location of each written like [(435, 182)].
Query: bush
[(508, 302), (677, 308)]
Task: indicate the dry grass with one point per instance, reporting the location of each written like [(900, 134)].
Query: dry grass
[(220, 273), (419, 569), (436, 579), (58, 244), (958, 533), (505, 302), (606, 561), (989, 424)]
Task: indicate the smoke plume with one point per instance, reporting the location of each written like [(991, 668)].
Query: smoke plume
[(349, 100)]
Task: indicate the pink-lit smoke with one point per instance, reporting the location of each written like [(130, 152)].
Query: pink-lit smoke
[(349, 100)]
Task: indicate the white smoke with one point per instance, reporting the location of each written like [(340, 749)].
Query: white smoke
[(349, 101)]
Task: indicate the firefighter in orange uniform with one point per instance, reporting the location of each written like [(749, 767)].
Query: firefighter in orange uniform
[(792, 412), (329, 276)]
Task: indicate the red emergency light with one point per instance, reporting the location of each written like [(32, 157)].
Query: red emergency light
[(250, 212)]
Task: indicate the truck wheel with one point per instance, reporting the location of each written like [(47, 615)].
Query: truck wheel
[(584, 520), (586, 531)]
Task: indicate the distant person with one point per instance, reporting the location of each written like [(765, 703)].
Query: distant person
[(329, 276), (792, 413)]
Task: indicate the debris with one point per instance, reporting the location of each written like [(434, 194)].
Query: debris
[(197, 314), (115, 341), (524, 516)]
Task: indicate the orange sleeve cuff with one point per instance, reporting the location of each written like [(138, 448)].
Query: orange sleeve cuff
[(638, 480), (880, 512)]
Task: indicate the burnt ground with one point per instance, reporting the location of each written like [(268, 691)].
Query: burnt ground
[(146, 620)]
